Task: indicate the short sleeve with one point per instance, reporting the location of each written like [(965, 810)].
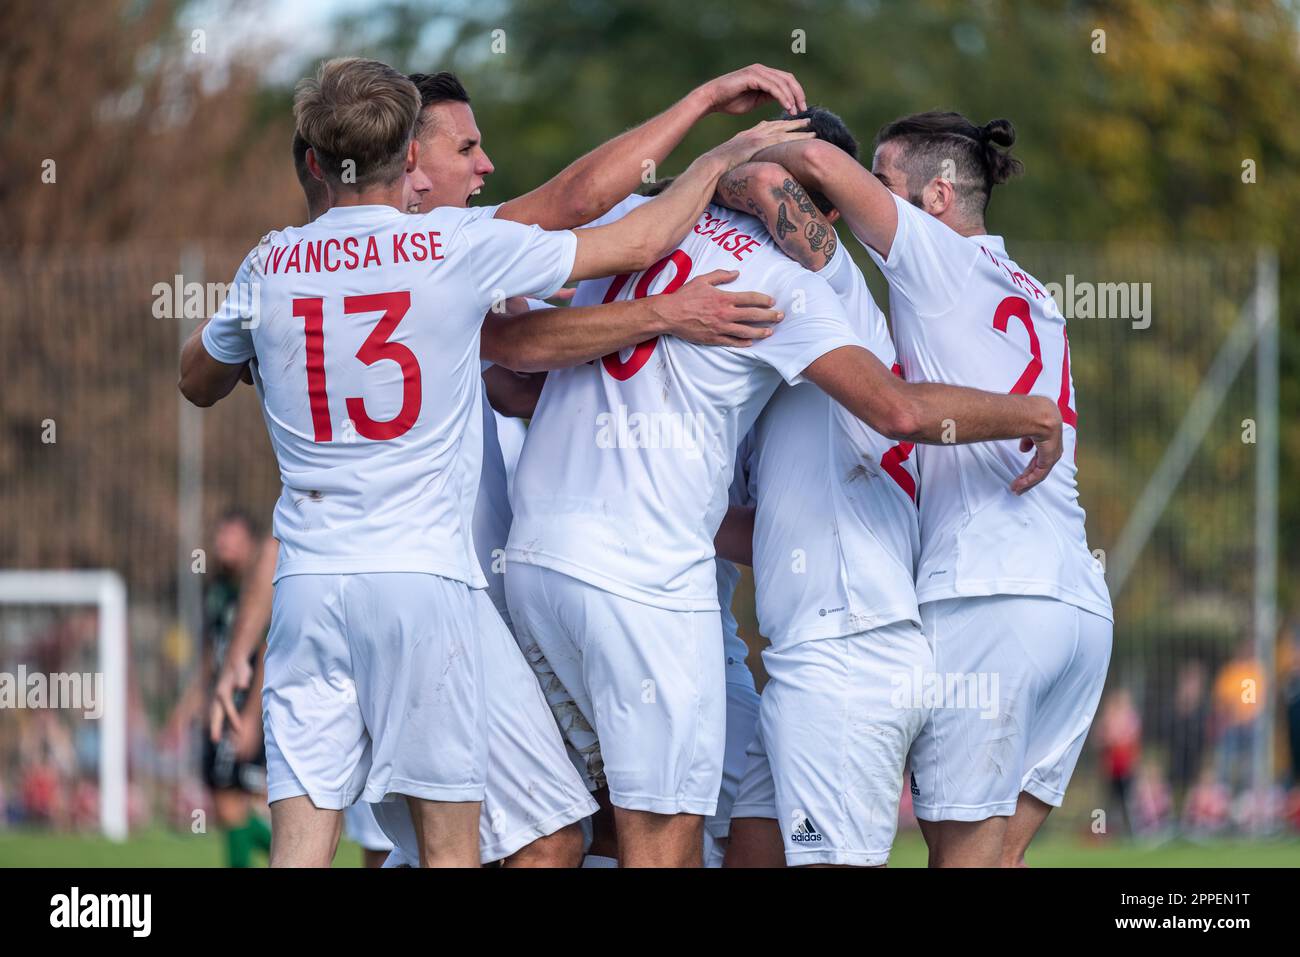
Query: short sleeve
[(838, 273), (814, 324), (928, 262), (228, 336), (510, 259)]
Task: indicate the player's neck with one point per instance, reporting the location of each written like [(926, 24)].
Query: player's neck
[(388, 195), (964, 227)]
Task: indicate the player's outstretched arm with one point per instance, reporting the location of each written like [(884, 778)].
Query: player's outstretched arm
[(205, 380), (251, 621), (652, 229), (864, 202), (770, 193), (590, 186), (546, 339), (940, 414)]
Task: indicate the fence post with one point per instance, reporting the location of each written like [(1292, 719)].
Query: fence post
[(1266, 517), (189, 484)]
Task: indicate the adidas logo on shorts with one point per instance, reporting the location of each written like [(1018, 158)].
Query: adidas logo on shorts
[(804, 832)]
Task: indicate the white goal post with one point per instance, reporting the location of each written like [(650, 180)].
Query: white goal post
[(107, 592)]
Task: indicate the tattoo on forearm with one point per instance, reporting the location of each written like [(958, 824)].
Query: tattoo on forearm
[(783, 225), (815, 232), (831, 243), (734, 187), (799, 195)]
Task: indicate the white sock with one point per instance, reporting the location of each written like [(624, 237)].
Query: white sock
[(596, 860)]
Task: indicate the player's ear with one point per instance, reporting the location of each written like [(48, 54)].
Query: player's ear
[(833, 216), (313, 164), (412, 154), (938, 196)]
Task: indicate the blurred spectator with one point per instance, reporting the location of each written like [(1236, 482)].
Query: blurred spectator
[(1237, 693), (1151, 801), (1191, 716), (1289, 677), (1208, 804), (1120, 729)]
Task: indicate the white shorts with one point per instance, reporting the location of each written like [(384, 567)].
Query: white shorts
[(579, 737), (756, 796), (360, 826), (532, 789), (742, 723), (1021, 679), (648, 681), (373, 686), (835, 732)]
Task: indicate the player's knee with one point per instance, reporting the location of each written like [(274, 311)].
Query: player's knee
[(562, 848), (754, 842)]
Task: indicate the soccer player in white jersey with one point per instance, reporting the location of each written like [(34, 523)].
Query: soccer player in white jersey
[(835, 541), (516, 809), (454, 158), (1012, 601), (621, 487), (376, 568)]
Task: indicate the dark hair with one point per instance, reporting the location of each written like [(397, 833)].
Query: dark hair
[(240, 516), (976, 152), (829, 127), (435, 88), (312, 188), (658, 186)]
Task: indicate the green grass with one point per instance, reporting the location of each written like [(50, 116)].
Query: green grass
[(154, 848), (167, 849)]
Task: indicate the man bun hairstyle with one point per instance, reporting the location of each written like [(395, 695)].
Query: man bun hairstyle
[(361, 111), (829, 127), (948, 144)]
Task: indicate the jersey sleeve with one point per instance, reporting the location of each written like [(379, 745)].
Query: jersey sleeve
[(928, 262), (814, 324), (228, 336), (510, 259), (483, 212), (838, 273)]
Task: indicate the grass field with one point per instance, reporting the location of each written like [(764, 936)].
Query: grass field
[(167, 849)]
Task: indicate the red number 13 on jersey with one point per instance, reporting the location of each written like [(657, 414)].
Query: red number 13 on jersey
[(393, 305)]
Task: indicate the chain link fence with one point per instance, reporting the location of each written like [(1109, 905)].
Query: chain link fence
[(102, 466)]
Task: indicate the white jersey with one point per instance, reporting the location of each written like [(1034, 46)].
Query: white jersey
[(965, 313), (836, 533), (728, 575), (365, 329), (492, 513), (623, 478)]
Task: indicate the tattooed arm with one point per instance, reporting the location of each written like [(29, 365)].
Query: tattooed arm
[(768, 192)]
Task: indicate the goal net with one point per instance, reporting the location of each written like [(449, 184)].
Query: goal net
[(63, 700)]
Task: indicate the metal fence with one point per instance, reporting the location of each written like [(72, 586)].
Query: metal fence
[(103, 466)]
